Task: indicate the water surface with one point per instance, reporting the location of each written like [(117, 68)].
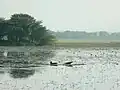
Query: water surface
[(100, 72)]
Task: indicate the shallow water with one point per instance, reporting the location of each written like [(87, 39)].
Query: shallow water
[(100, 72)]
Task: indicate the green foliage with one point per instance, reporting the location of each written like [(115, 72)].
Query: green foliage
[(24, 29)]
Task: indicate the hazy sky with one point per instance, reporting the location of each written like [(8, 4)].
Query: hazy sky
[(88, 15)]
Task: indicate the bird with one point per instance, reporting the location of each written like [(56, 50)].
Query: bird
[(5, 54), (53, 64), (67, 63)]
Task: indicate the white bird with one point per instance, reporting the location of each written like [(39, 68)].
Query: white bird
[(5, 53)]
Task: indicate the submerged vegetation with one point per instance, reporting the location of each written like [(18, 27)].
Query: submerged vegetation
[(23, 29)]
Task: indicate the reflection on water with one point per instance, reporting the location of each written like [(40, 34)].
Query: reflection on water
[(18, 62), (21, 59), (92, 69), (21, 73)]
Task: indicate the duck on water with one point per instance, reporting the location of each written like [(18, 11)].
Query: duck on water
[(67, 63), (53, 63), (56, 64)]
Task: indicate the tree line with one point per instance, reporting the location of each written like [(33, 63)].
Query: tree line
[(82, 35), (23, 29)]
